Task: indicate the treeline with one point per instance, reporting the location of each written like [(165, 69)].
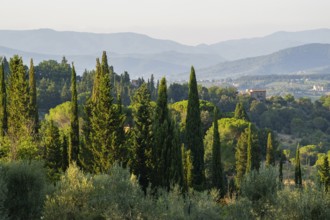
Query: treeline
[(190, 151)]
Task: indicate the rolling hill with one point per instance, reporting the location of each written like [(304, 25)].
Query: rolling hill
[(306, 58)]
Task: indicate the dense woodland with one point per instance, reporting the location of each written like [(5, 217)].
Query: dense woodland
[(103, 146)]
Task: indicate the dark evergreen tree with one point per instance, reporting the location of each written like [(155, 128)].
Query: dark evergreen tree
[(270, 154), (281, 167), (52, 148), (74, 119), (18, 101), (103, 120), (241, 156), (142, 136), (217, 171), (33, 99), (297, 173), (249, 156), (3, 103), (324, 172), (65, 152), (167, 159), (194, 137), (240, 112), (120, 151)]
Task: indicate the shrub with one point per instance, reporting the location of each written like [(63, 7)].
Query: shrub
[(23, 184)]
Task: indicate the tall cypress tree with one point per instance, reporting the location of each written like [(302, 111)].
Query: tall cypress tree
[(86, 151), (103, 121), (3, 103), (74, 120), (270, 160), (249, 150), (52, 144), (297, 173), (167, 158), (240, 112), (241, 156), (33, 99), (194, 137), (217, 171), (18, 100), (281, 167), (142, 136), (324, 172)]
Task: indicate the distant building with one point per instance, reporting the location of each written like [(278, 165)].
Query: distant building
[(258, 94), (318, 88)]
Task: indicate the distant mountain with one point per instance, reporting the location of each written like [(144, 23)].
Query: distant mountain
[(141, 55), (309, 58), (243, 48), (138, 54)]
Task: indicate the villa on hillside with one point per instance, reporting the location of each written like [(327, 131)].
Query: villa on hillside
[(257, 94)]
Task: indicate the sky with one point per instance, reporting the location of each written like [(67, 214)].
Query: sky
[(190, 22)]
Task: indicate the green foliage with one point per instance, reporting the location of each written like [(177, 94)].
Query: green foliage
[(240, 112), (307, 204), (297, 172), (324, 172), (104, 121), (71, 197), (74, 119), (142, 136), (230, 130), (18, 101), (241, 157), (260, 187), (3, 103), (167, 157), (270, 154), (53, 149), (24, 185), (194, 137), (51, 77), (217, 170), (61, 116), (33, 99)]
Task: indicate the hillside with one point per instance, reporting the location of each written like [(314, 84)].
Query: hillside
[(243, 48), (293, 60)]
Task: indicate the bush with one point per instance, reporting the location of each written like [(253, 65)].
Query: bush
[(260, 187), (308, 203), (23, 186), (71, 196)]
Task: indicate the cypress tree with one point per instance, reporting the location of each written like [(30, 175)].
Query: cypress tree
[(217, 172), (324, 172), (250, 155), (52, 144), (241, 156), (86, 157), (240, 112), (281, 167), (103, 120), (142, 136), (18, 100), (297, 173), (33, 99), (3, 103), (166, 148), (74, 120), (270, 160), (194, 137), (120, 151), (65, 152)]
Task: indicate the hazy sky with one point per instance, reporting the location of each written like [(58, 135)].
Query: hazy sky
[(186, 21)]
